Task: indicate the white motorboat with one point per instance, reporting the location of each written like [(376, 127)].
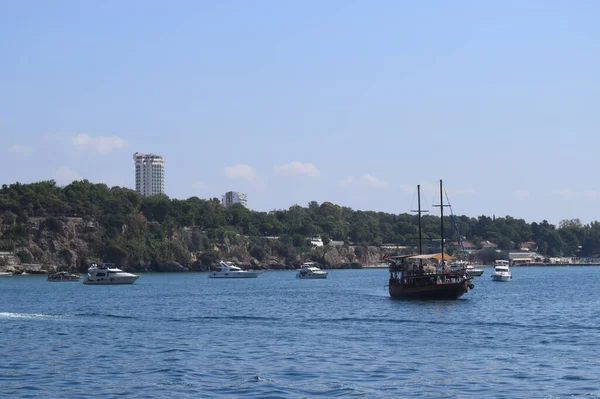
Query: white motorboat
[(501, 271), (229, 270), (5, 274), (310, 270), (109, 274), (473, 271), (63, 277)]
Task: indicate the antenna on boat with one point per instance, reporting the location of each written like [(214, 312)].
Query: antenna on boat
[(419, 211)]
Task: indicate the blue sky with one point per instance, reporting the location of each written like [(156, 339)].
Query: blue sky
[(353, 102)]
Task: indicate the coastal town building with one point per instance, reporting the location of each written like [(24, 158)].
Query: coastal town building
[(488, 245), (233, 197), (528, 246), (523, 258), (149, 174), (467, 245)]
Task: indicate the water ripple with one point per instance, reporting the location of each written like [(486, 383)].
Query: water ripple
[(183, 336)]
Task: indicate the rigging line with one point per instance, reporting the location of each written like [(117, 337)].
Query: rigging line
[(455, 224)]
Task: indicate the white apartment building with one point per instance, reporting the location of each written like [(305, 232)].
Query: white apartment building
[(149, 174), (233, 197)]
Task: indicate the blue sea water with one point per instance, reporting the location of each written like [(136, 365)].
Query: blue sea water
[(187, 336)]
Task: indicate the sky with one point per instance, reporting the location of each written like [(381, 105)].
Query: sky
[(353, 102)]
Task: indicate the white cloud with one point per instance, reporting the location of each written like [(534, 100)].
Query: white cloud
[(199, 186), (298, 168), (21, 149), (591, 195), (461, 192), (347, 181), (374, 181), (240, 171), (434, 189), (64, 176), (408, 189), (565, 193), (101, 144), (365, 180), (522, 194)]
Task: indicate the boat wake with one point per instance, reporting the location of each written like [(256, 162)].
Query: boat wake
[(10, 315), (107, 315)]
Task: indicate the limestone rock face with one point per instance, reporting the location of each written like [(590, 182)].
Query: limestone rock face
[(74, 244)]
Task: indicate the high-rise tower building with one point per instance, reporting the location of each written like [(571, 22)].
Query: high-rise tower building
[(233, 197), (149, 174)]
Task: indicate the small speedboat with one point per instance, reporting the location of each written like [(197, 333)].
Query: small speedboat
[(475, 272), (108, 274), (501, 271), (310, 270), (229, 270), (5, 274), (63, 277)]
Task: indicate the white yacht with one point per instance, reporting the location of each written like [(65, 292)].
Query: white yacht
[(310, 270), (501, 271), (473, 271), (108, 274), (5, 274), (229, 270)]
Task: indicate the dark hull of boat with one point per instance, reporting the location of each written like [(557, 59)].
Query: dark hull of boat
[(475, 273), (429, 291)]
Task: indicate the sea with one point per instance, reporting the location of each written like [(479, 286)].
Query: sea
[(187, 336)]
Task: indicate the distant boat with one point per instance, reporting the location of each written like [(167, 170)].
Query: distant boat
[(310, 270), (470, 269), (426, 276), (473, 271), (229, 270), (63, 277), (5, 274)]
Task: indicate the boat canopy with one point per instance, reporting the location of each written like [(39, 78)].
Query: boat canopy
[(432, 256)]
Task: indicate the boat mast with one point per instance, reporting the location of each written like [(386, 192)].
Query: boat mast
[(419, 212), (442, 218), (420, 230)]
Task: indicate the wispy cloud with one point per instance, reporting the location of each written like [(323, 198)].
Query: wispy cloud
[(591, 194), (298, 168), (199, 186), (434, 189), (21, 149), (374, 181), (565, 193), (522, 194), (568, 194), (240, 171), (365, 180), (64, 176), (347, 181), (101, 144), (461, 192)]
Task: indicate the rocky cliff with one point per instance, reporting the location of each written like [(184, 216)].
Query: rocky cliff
[(44, 245)]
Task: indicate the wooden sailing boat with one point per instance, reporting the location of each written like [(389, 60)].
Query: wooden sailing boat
[(418, 276)]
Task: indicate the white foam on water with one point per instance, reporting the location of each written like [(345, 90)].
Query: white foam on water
[(9, 315)]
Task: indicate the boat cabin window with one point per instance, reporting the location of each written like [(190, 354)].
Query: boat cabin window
[(100, 274)]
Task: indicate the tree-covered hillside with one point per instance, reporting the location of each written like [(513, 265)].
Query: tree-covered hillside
[(133, 224)]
